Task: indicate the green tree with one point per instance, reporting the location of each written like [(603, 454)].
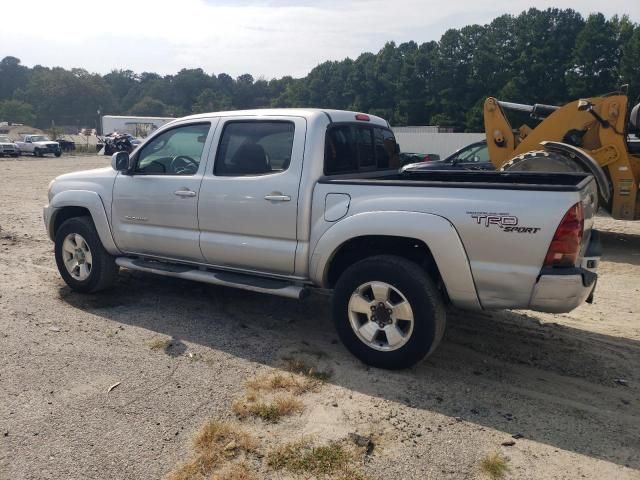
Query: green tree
[(630, 62), (16, 111), (12, 76), (593, 70), (149, 107), (211, 101)]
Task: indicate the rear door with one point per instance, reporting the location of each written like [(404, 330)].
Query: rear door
[(155, 210), (249, 199)]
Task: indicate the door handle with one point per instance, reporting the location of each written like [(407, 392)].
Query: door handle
[(185, 193), (277, 197)]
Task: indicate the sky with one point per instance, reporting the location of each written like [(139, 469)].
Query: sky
[(266, 38)]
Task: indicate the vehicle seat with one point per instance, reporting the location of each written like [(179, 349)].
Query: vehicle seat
[(251, 158)]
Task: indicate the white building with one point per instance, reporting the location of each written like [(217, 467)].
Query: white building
[(433, 140)]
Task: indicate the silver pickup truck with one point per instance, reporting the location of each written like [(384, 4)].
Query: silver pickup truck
[(284, 201)]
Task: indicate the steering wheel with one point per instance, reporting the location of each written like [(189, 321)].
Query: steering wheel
[(183, 164)]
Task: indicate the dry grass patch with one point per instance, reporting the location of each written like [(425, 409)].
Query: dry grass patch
[(268, 410), (216, 444), (159, 344), (283, 382), (300, 367), (494, 466), (331, 460), (235, 471)]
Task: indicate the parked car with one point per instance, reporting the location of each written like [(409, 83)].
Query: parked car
[(8, 148), (39, 145), (282, 201), (66, 145), (474, 156), (408, 158)]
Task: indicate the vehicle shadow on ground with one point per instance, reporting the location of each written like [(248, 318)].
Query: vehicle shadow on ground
[(509, 371)]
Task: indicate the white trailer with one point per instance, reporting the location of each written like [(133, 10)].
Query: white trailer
[(136, 126)]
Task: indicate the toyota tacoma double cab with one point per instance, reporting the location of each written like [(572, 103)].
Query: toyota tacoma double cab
[(39, 145), (284, 201)]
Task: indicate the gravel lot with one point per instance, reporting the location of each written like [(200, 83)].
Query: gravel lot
[(569, 384)]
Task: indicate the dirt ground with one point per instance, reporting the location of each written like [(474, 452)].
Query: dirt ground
[(569, 384)]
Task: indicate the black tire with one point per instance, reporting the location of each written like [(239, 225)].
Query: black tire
[(103, 269), (541, 161), (57, 154), (419, 290), (36, 152)]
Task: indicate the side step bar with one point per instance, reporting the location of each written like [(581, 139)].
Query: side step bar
[(228, 279)]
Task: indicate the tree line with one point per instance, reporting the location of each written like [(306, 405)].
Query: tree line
[(544, 56)]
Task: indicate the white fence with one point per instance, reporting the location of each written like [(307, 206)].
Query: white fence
[(425, 140)]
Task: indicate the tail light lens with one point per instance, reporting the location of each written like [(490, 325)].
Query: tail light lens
[(566, 243)]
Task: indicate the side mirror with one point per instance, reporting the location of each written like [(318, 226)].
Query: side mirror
[(584, 105), (28, 140), (120, 161)]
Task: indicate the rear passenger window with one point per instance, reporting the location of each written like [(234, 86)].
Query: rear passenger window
[(254, 148), (355, 148)]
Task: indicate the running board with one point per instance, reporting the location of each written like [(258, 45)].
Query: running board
[(216, 277)]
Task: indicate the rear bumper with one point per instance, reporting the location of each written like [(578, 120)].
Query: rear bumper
[(560, 293), (560, 290)]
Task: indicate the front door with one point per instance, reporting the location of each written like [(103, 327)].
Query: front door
[(155, 210), (249, 198)]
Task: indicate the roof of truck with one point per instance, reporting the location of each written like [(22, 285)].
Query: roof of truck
[(333, 115)]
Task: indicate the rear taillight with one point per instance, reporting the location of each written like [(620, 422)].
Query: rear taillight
[(566, 243)]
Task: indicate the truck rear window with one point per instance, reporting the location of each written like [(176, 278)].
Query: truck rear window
[(358, 148)]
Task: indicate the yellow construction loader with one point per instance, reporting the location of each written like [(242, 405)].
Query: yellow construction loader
[(588, 135)]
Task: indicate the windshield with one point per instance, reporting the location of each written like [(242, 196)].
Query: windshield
[(471, 153), (39, 138), (4, 139)]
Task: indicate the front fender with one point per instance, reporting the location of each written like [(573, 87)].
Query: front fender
[(86, 199), (436, 232)]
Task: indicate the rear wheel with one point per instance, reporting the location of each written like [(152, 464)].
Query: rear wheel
[(82, 261), (388, 312)]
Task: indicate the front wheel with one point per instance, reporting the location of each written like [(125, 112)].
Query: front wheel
[(82, 261), (57, 154), (388, 312)]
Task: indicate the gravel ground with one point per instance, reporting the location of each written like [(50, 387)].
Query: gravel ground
[(569, 384)]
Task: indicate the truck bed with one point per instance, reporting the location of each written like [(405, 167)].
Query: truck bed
[(557, 182)]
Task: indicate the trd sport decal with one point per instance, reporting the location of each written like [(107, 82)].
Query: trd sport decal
[(504, 221)]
